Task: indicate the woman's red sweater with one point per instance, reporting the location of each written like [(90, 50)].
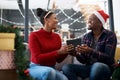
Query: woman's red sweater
[(43, 46)]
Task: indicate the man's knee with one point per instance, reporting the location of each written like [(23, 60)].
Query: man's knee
[(100, 65)]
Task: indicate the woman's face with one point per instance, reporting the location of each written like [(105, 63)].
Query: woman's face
[(52, 21)]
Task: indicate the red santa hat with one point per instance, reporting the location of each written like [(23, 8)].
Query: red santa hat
[(101, 15)]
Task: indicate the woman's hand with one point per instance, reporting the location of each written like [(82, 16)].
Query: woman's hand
[(65, 49)]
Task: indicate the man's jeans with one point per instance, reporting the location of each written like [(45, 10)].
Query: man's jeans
[(45, 73), (97, 71)]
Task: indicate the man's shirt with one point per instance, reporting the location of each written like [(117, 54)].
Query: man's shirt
[(103, 49)]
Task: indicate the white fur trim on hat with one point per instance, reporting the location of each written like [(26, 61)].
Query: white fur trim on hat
[(99, 17)]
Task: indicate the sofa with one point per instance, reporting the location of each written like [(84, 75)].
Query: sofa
[(71, 59)]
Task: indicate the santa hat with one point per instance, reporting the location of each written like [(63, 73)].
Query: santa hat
[(101, 15)]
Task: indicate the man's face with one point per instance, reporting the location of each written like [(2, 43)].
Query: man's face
[(93, 22)]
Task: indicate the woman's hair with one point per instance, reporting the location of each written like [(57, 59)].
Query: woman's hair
[(42, 14)]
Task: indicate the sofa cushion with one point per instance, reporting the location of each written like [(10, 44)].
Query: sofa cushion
[(68, 60)]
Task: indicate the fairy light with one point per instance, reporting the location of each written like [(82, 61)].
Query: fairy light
[(35, 17), (70, 17), (11, 22), (21, 13), (78, 29), (61, 11)]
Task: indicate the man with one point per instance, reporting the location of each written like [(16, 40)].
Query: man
[(96, 53)]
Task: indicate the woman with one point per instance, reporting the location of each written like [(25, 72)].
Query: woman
[(46, 49)]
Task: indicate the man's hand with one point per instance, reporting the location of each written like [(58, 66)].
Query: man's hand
[(83, 49)]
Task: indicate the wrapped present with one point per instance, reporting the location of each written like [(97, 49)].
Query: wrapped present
[(7, 41), (7, 60)]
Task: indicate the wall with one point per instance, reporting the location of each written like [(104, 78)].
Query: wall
[(116, 12)]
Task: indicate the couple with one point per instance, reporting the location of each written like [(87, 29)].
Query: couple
[(97, 55)]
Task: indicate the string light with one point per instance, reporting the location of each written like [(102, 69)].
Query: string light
[(70, 17), (35, 17), (78, 29), (21, 12), (11, 22), (61, 11)]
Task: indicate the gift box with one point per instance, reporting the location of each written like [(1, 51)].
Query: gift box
[(7, 60), (7, 41)]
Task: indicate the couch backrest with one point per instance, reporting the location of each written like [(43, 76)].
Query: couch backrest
[(117, 54)]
